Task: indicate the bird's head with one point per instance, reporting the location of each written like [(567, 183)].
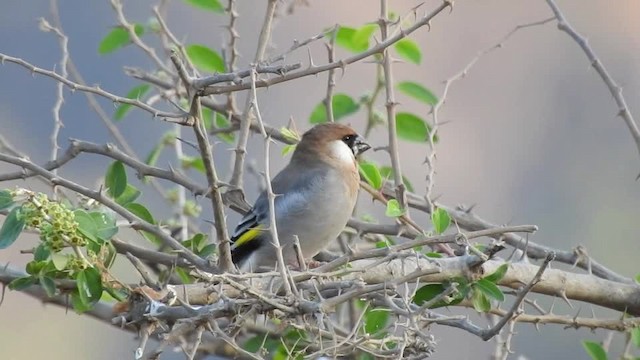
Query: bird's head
[(333, 141)]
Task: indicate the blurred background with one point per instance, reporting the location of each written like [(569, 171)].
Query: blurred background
[(530, 135)]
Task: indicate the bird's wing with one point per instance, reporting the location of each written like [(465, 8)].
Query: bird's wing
[(290, 187)]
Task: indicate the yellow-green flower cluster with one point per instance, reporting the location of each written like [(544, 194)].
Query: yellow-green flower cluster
[(56, 222)]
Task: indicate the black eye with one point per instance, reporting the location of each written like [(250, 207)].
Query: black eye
[(348, 139)]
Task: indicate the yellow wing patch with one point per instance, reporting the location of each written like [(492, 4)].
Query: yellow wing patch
[(247, 236)]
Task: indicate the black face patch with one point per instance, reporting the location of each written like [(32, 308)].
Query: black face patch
[(356, 144), (350, 140)]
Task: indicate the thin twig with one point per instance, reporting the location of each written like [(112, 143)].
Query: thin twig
[(614, 88)]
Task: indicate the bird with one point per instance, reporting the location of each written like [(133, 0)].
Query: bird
[(315, 195)]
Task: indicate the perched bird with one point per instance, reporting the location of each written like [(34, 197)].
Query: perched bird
[(315, 196)]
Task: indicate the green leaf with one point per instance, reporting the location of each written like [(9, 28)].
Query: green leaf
[(490, 289), (205, 59), (22, 283), (387, 173), (42, 252), (6, 200), (411, 127), (638, 278), (393, 209), (427, 293), (635, 336), (117, 38), (409, 50), (355, 40), (11, 228), (434, 255), (207, 250), (222, 122), (360, 38), (59, 261), (86, 225), (193, 162), (77, 303), (440, 220), (136, 93), (344, 38), (115, 179), (287, 149), (35, 267), (89, 285), (105, 222), (184, 276), (595, 350), (480, 301), (290, 134), (143, 213), (371, 174), (343, 105), (497, 275), (375, 320), (210, 5), (129, 195), (48, 285), (418, 92)]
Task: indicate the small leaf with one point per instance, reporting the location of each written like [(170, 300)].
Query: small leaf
[(105, 223), (409, 50), (48, 285), (135, 94), (117, 38), (427, 293), (440, 220), (6, 200), (387, 173), (343, 105), (42, 252), (207, 250), (59, 261), (360, 38), (418, 92), (287, 149), (290, 134), (210, 5), (184, 276), (413, 128), (344, 38), (635, 336), (490, 289), (595, 350), (205, 59), (129, 195), (89, 285), (371, 174), (115, 179), (375, 320), (497, 275), (193, 162), (480, 301), (77, 303), (86, 225), (11, 228), (434, 255), (143, 213), (393, 209), (22, 283)]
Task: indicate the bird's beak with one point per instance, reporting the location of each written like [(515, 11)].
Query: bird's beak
[(360, 146)]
